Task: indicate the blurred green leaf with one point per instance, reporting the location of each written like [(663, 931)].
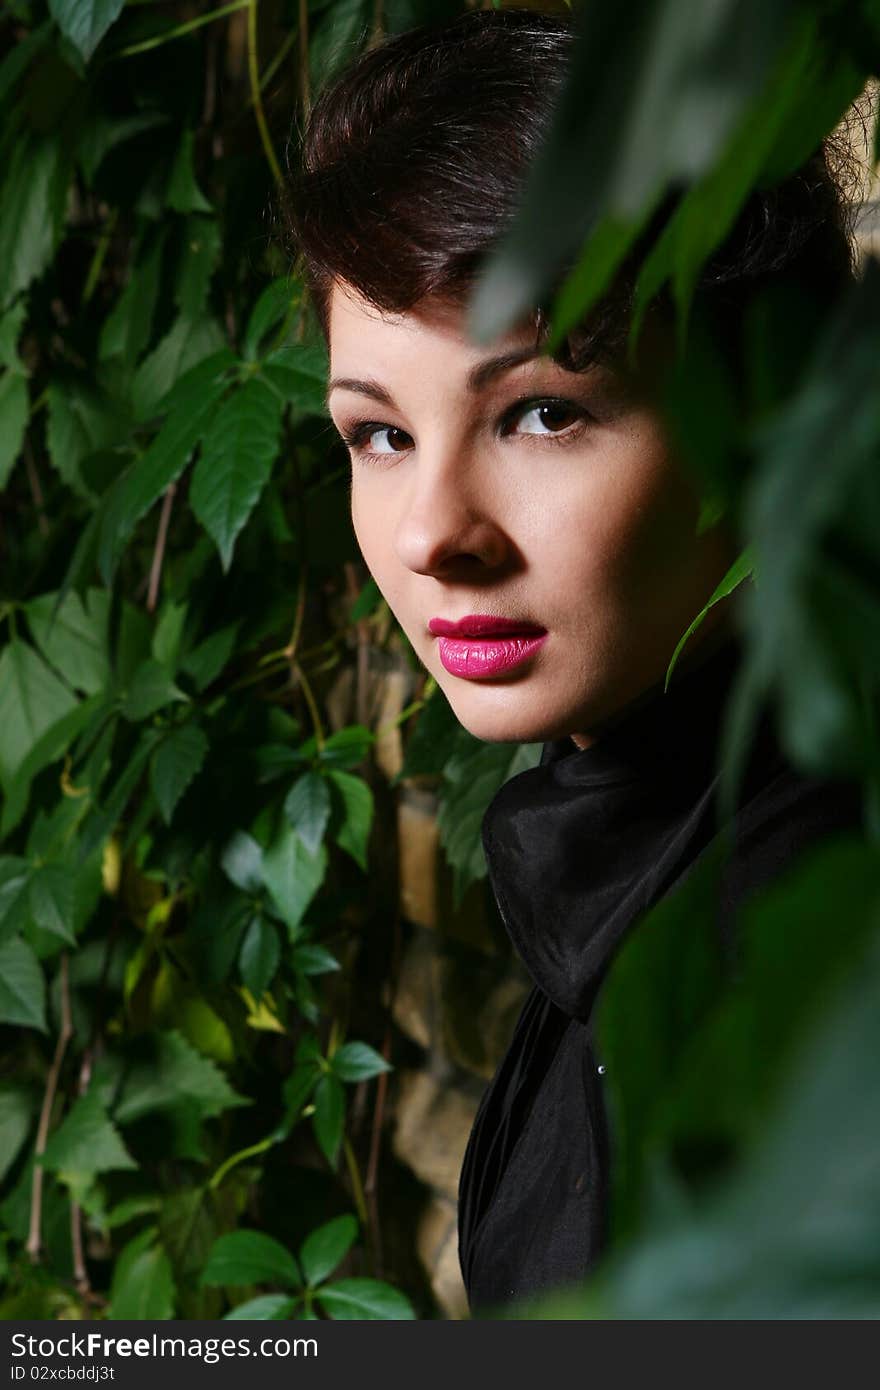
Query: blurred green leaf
[(86, 1140), (352, 830), (292, 875), (265, 1308), (177, 760), (14, 407), (259, 956), (329, 1116), (357, 1061), (307, 807), (85, 22), (32, 200), (362, 1299), (250, 1257), (326, 1247), (143, 1282), (32, 699)]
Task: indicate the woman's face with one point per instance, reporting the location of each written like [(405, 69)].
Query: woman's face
[(487, 480)]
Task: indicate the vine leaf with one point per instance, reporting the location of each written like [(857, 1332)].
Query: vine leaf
[(236, 459), (85, 22), (22, 987)]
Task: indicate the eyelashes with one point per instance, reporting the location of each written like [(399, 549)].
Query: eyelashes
[(357, 436)]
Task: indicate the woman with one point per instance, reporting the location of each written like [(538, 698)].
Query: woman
[(532, 530)]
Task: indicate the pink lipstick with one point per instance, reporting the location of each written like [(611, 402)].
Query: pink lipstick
[(482, 645)]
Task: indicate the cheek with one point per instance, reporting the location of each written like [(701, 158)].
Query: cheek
[(369, 520), (632, 530)]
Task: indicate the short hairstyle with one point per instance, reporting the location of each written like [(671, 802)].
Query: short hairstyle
[(413, 161)]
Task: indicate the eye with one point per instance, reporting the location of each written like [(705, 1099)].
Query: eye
[(370, 439), (550, 417)]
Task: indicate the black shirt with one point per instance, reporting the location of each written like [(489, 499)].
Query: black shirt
[(578, 849)]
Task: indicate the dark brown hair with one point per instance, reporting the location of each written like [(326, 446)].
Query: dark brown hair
[(413, 159)]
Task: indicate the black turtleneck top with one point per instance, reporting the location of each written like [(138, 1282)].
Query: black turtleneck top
[(578, 849)]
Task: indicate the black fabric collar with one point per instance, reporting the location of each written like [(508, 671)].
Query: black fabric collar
[(582, 844)]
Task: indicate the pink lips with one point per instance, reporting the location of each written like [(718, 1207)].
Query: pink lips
[(481, 645)]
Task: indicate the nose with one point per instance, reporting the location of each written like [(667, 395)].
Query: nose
[(448, 519)]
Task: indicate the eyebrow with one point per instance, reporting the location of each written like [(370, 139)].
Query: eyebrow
[(478, 376)]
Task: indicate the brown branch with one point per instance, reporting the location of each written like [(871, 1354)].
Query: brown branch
[(65, 1033), (159, 552), (304, 91), (80, 1272), (36, 487)]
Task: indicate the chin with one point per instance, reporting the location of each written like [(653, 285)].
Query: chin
[(514, 725)]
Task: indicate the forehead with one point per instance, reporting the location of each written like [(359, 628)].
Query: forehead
[(357, 329)]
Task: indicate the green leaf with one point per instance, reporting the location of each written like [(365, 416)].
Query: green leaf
[(368, 599), (177, 1076), (347, 747), (205, 662), (356, 1061), (250, 1257), (292, 875), (50, 745), (176, 762), (189, 405), (15, 903), (472, 777), (263, 1309), (87, 1141), (739, 571), (259, 956), (11, 325), (102, 133), (307, 807), (81, 422), (362, 1299), (236, 459), (357, 817), (329, 1116), (143, 1282), (313, 960), (202, 248), (32, 201), (14, 408), (73, 637), (152, 686), (300, 374), (326, 1247), (18, 1108), (127, 327), (85, 22), (168, 635), (32, 699), (189, 342), (242, 862), (275, 303), (53, 899), (183, 193), (433, 740)]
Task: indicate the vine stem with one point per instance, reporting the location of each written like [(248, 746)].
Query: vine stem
[(256, 94), (310, 701), (357, 1186), (159, 552), (181, 30), (65, 1033)]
